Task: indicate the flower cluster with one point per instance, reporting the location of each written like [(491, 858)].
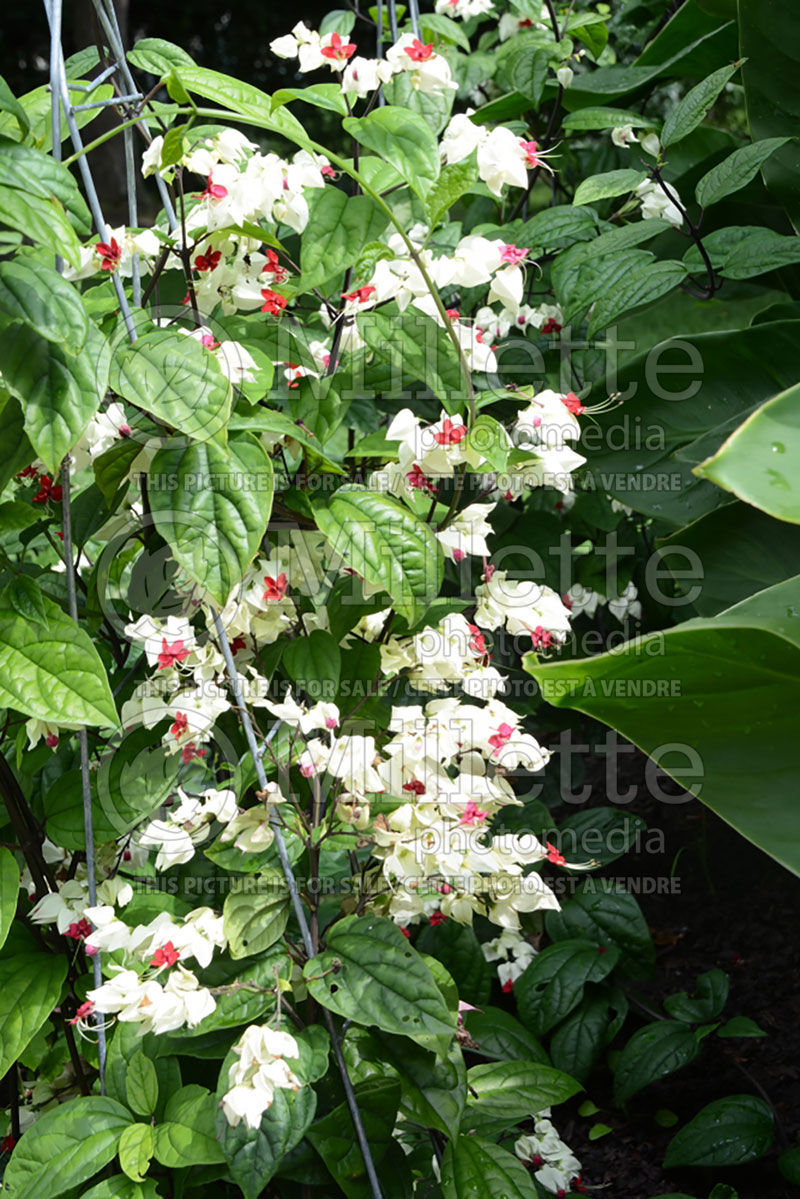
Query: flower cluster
[(260, 1071)]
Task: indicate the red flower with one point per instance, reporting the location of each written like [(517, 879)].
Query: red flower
[(51, 740), (406, 932), (554, 856), (167, 955), (171, 654), (28, 473), (419, 480), (531, 151), (208, 261), (541, 638), (361, 294), (437, 918), (273, 267), (274, 302), (477, 642), (125, 430), (450, 434), (190, 752), (7, 1144), (276, 588), (47, 491), (110, 253), (572, 403), (501, 738), (329, 172), (453, 313), (338, 50), (472, 814), (181, 724), (237, 644), (79, 930), (418, 52), (551, 326), (415, 787), (513, 254), (214, 191), (507, 987), (83, 1011)]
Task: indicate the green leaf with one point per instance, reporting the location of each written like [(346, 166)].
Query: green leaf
[(472, 1167), (10, 104), (255, 914), (177, 380), (728, 1132), (141, 1085), (740, 671), (174, 146), (255, 1154), (751, 463), (603, 913), (37, 173), (418, 349), (771, 78), (736, 171), (558, 227), (445, 27), (339, 226), (607, 185), (370, 974), (188, 1135), (458, 949), (136, 1146), (322, 95), (578, 1042), (789, 1165), (643, 286), (526, 67), (402, 138), (454, 181), (740, 1026), (333, 1138), (741, 252), (488, 437), (37, 294), (212, 507), (653, 1052), (314, 664), (66, 1145), (24, 596), (120, 1187), (499, 1035), (55, 676), (707, 1001), (15, 449), (386, 544), (514, 1090), (694, 106), (433, 107), (9, 892), (42, 220), (594, 117), (61, 392), (553, 983), (30, 987), (434, 1086)]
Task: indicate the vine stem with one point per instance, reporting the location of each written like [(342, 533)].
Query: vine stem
[(694, 232)]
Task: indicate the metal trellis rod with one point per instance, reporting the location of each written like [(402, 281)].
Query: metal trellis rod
[(60, 89)]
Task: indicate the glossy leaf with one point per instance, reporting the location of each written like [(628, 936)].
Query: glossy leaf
[(66, 1145), (515, 1090), (141, 1085), (694, 106), (728, 1132), (386, 544), (339, 226), (736, 171), (751, 462), (402, 138), (60, 391), (473, 1167), (212, 507), (177, 380), (553, 983), (369, 973), (39, 296), (30, 987), (57, 675), (9, 891), (608, 185), (188, 1135), (418, 349), (136, 1147), (255, 914), (653, 1052)]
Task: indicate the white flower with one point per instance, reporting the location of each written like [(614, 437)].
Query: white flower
[(461, 137), (565, 75), (660, 200), (624, 136), (260, 1071), (502, 159)]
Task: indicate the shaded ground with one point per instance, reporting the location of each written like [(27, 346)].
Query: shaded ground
[(738, 910)]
